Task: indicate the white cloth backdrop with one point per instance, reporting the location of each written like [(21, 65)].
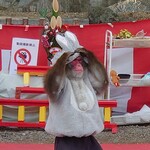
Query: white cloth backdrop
[(122, 62)]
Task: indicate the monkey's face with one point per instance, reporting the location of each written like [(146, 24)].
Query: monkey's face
[(76, 68)]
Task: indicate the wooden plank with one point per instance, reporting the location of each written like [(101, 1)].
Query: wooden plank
[(30, 90), (132, 42), (33, 70)]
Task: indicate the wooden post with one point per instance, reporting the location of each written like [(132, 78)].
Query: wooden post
[(26, 78), (8, 20), (42, 114), (1, 112), (25, 21), (41, 21), (107, 114), (21, 112), (76, 21)]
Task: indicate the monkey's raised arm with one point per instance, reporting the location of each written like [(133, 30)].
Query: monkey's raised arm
[(55, 78), (96, 71)]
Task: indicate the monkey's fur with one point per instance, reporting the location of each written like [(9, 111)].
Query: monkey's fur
[(54, 78), (73, 109)]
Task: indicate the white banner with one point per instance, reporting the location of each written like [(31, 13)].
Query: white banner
[(122, 62), (5, 56), (24, 52)]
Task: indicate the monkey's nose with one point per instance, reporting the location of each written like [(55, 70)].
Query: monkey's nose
[(79, 65)]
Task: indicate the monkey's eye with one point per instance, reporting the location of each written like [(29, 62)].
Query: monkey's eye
[(76, 61), (79, 59)]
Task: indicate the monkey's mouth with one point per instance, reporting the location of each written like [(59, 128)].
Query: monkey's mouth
[(77, 70), (77, 73)]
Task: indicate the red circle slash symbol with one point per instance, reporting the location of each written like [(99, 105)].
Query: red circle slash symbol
[(22, 57)]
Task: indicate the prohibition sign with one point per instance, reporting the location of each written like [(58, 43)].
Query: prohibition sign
[(22, 57)]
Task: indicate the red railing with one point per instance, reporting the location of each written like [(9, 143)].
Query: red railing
[(43, 104)]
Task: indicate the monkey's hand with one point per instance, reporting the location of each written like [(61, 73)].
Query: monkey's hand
[(83, 53), (96, 70), (55, 78)]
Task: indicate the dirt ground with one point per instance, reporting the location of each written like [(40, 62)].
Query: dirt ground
[(35, 15), (126, 134)]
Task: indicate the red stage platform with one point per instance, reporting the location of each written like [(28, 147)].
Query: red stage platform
[(7, 146)]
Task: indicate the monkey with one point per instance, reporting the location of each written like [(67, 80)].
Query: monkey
[(73, 85)]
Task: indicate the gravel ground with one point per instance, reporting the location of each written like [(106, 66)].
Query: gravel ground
[(13, 14), (125, 134)]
